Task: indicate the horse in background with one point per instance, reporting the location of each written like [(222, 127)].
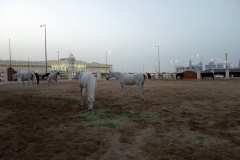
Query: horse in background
[(129, 79), (88, 81), (208, 74), (26, 76), (45, 75), (54, 76), (149, 75), (37, 77), (179, 75)]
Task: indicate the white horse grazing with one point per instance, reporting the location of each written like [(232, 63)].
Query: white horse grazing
[(88, 81), (26, 76), (54, 76), (128, 79)]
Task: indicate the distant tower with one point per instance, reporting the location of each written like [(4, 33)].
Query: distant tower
[(190, 64)]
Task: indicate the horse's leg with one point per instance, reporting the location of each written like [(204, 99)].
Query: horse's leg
[(142, 88), (126, 91), (86, 89), (121, 87), (81, 88)]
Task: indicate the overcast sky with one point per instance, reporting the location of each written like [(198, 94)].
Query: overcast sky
[(128, 28)]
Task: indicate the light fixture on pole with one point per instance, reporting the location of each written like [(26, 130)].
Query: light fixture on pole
[(158, 60), (45, 46), (106, 60)]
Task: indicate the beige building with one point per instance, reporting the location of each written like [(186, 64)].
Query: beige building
[(63, 65)]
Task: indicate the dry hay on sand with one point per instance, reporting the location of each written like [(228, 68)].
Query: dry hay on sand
[(189, 119)]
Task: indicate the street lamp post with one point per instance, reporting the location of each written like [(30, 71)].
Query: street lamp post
[(28, 63), (143, 67), (122, 68), (155, 64), (58, 59), (106, 59), (10, 53), (45, 46), (158, 60), (226, 60)]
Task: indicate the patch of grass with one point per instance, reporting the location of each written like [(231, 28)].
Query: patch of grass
[(50, 95), (130, 113), (101, 117), (134, 114), (105, 117)]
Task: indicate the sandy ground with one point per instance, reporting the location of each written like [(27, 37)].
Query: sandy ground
[(184, 119)]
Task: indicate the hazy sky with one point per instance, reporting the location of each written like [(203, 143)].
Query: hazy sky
[(129, 28)]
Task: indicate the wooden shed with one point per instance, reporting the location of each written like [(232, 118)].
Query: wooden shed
[(189, 75)]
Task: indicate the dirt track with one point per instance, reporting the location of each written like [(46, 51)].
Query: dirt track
[(184, 119)]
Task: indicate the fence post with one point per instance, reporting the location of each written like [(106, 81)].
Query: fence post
[(227, 74), (98, 75), (198, 75), (167, 74)]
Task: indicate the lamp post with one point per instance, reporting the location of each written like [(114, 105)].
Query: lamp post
[(28, 63), (106, 60), (174, 61), (122, 68), (155, 64), (58, 60), (45, 46), (143, 66), (201, 61), (10, 52), (158, 60), (226, 60)]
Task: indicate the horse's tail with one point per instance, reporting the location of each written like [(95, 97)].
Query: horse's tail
[(37, 76), (34, 78), (144, 78)]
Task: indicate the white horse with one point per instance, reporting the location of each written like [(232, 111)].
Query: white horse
[(88, 81), (129, 79), (53, 75), (26, 76)]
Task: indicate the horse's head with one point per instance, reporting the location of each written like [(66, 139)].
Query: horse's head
[(110, 75), (90, 102)]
